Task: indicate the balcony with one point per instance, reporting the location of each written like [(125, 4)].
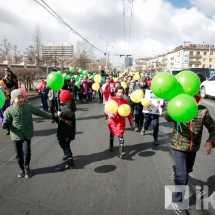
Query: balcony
[(198, 56)]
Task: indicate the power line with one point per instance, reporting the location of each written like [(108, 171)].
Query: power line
[(56, 16), (123, 5), (130, 26)]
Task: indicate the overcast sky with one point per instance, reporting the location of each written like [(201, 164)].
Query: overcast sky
[(156, 26)]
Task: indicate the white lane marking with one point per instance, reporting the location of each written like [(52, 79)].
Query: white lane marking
[(15, 156), (209, 103)]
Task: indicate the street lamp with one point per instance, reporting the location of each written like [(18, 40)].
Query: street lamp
[(107, 55), (209, 54)]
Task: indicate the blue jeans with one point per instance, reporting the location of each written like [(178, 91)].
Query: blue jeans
[(65, 145), (23, 153), (155, 120), (184, 162), (44, 100)]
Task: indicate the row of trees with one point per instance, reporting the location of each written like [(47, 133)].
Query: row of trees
[(84, 57)]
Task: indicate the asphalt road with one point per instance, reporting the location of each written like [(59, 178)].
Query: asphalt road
[(101, 183)]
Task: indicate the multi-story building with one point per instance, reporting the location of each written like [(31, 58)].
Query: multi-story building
[(64, 50), (128, 61), (185, 56)]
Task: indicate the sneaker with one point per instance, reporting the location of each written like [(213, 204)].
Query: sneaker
[(173, 173), (142, 132), (178, 210), (122, 154), (21, 174), (27, 173), (156, 141), (70, 164), (136, 129)]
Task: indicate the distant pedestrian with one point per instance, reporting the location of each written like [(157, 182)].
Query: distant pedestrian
[(18, 118), (44, 96)]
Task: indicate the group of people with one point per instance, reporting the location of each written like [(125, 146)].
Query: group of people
[(185, 141)]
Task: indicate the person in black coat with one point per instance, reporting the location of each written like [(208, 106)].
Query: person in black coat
[(66, 127)]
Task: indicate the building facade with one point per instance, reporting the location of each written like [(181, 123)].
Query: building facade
[(64, 50), (128, 61), (184, 56)]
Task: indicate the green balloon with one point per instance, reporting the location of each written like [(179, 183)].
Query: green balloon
[(177, 90), (85, 73), (55, 81), (76, 77), (78, 84), (64, 76), (189, 81), (80, 71), (59, 72), (72, 69), (182, 108), (163, 84), (68, 77), (91, 77), (2, 99)]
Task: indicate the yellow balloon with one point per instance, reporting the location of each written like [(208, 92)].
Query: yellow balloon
[(97, 78), (145, 102), (136, 96), (111, 106), (125, 79), (136, 77), (131, 73), (125, 71), (124, 110), (115, 79), (123, 84), (120, 75), (95, 86), (140, 93)]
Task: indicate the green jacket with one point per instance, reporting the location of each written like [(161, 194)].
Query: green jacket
[(189, 135), (20, 120)]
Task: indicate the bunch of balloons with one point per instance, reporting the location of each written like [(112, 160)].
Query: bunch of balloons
[(97, 79), (180, 89), (112, 107)]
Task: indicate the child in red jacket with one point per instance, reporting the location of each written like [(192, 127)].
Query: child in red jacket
[(116, 123)]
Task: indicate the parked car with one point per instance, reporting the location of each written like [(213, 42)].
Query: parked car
[(207, 87)]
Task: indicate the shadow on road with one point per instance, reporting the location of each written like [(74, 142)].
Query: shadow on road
[(91, 117)]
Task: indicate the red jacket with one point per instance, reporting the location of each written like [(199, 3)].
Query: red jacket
[(117, 124)]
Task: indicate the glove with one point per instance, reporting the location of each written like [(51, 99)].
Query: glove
[(55, 119), (131, 122)]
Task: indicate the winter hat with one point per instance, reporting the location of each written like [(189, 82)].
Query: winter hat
[(44, 83), (143, 79), (65, 96), (15, 93)]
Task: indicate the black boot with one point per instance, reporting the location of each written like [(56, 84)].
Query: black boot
[(122, 154), (70, 164)]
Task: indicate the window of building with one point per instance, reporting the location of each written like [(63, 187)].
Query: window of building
[(211, 53), (198, 53), (203, 66), (205, 53), (204, 59), (197, 65), (210, 59), (191, 52)]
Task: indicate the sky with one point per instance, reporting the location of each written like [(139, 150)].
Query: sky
[(156, 26)]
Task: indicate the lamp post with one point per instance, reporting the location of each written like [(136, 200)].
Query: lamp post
[(209, 54), (107, 55)]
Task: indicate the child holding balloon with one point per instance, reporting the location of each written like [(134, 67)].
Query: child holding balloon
[(116, 122)]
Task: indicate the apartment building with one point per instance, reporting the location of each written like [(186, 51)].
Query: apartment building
[(184, 56), (64, 50)]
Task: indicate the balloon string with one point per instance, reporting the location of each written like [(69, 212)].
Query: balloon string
[(2, 114), (180, 127), (58, 102), (177, 128)]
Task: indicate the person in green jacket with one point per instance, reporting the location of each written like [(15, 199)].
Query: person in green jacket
[(18, 117), (186, 141)]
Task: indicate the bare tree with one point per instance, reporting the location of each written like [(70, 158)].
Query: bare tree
[(37, 45), (30, 54), (16, 54), (5, 49), (84, 54)]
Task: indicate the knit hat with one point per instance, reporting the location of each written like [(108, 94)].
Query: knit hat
[(65, 96), (143, 79), (15, 93)]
